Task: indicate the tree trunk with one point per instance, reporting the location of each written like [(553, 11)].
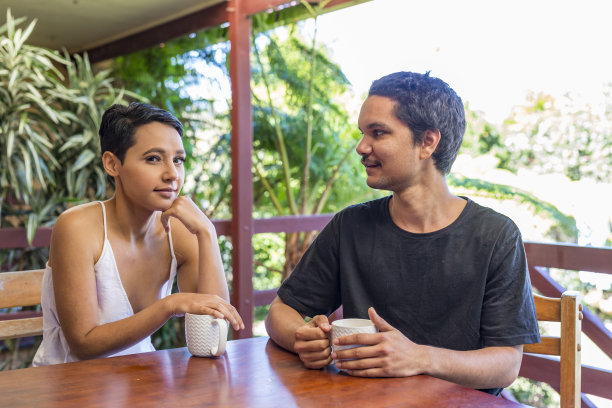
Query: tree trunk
[(295, 246)]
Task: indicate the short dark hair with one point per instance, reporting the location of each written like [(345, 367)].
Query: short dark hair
[(424, 102), (119, 124)]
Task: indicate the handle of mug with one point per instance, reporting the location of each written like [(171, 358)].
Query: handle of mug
[(220, 347)]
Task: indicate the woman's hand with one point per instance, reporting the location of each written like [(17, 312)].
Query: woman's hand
[(198, 303), (186, 211)]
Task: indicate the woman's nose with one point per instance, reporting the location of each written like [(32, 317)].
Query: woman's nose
[(170, 172)]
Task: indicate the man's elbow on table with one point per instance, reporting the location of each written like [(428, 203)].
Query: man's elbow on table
[(281, 324), (514, 366)]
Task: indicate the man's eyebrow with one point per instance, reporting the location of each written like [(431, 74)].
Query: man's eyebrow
[(160, 150), (376, 125)]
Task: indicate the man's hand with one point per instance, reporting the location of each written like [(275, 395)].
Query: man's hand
[(385, 354), (312, 342)]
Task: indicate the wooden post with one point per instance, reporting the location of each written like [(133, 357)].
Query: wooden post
[(242, 178)]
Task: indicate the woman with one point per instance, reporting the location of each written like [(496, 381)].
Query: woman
[(107, 285)]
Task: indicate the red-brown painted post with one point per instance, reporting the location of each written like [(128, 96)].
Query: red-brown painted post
[(242, 178)]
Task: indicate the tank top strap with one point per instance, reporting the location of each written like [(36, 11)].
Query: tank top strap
[(104, 217), (170, 239)]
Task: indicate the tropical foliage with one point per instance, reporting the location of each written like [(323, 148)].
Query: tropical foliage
[(304, 142), (50, 109), (31, 90), (562, 136)]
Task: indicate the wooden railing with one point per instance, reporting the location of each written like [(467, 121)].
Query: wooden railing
[(541, 257), (595, 381)]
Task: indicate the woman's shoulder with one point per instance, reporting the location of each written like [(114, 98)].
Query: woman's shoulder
[(84, 219), (80, 229)]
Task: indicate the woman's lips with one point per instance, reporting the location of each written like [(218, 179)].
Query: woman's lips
[(166, 192)]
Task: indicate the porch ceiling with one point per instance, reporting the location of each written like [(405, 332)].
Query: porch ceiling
[(81, 25)]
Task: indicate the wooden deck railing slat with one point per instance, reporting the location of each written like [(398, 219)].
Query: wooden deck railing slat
[(592, 325), (595, 381)]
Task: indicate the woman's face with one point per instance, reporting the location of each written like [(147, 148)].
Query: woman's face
[(152, 173)]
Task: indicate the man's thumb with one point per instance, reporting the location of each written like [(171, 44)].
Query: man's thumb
[(378, 321), (322, 322)]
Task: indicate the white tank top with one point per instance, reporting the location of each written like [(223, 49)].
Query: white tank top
[(113, 305)]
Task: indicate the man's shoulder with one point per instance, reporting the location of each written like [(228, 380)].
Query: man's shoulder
[(489, 219), (368, 208)]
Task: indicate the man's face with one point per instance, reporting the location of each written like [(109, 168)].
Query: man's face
[(152, 172), (387, 147)]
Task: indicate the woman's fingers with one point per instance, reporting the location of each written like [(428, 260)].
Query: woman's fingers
[(221, 309)]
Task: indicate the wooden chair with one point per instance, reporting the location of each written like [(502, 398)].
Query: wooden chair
[(568, 311), (19, 289)]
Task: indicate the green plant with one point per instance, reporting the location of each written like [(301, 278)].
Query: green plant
[(303, 138), (50, 110), (534, 393), (31, 90)]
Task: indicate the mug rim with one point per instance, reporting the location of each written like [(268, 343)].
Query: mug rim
[(353, 323), (205, 315)]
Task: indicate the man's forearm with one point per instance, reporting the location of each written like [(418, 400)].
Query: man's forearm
[(281, 324), (491, 367)]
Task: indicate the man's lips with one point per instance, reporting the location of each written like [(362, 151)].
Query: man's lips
[(368, 163)]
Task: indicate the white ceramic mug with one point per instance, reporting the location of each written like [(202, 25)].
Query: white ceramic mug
[(345, 327), (206, 335)]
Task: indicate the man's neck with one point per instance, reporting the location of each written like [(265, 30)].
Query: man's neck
[(421, 209)]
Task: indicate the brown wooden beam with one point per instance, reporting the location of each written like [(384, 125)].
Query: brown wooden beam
[(242, 178), (198, 21), (264, 297), (16, 237), (595, 381), (568, 256), (258, 6), (292, 223), (11, 238)]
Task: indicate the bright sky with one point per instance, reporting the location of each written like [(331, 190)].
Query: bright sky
[(490, 52)]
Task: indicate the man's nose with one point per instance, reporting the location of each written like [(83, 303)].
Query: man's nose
[(363, 147)]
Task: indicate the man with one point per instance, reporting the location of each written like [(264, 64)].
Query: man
[(443, 279)]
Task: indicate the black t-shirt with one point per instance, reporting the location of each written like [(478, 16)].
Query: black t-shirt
[(463, 287)]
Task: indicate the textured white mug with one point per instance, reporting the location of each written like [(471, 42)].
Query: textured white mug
[(206, 335), (345, 327)]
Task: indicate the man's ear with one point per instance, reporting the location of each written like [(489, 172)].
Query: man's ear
[(111, 163), (431, 138)]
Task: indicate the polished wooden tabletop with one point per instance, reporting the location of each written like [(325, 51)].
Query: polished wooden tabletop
[(251, 373)]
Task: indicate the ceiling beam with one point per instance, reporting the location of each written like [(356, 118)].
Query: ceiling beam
[(200, 20), (206, 18), (257, 6)]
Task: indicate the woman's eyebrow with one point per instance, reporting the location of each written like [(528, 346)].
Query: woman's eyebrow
[(160, 150)]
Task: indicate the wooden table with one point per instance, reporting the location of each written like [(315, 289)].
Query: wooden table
[(251, 373)]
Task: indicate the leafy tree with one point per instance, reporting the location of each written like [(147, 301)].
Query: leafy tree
[(483, 138), (172, 76), (303, 139), (560, 135)]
